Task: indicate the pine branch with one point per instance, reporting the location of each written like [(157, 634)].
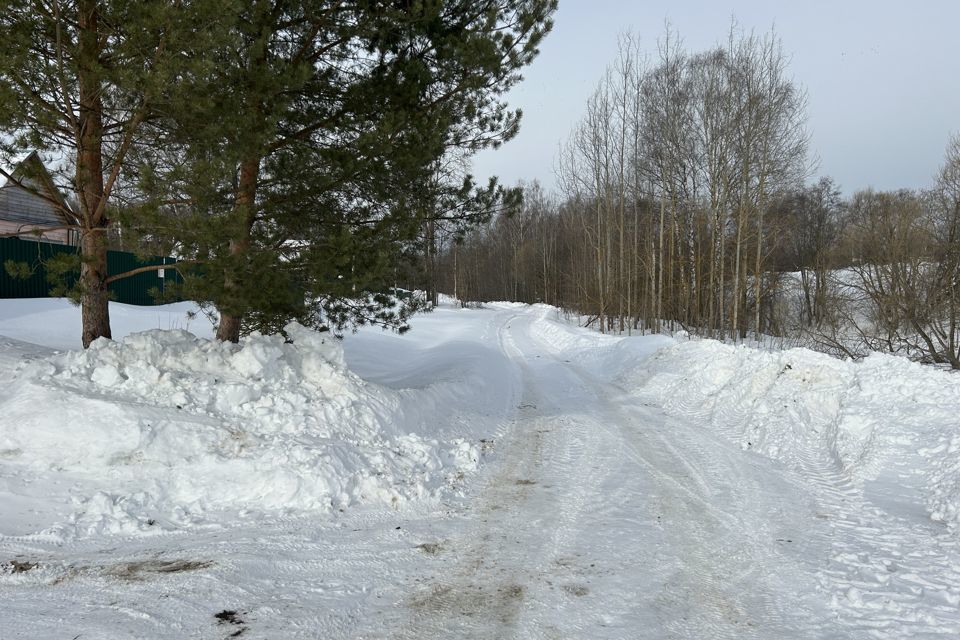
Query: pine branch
[(153, 267)]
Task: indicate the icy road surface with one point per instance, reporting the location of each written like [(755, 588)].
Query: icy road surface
[(596, 514)]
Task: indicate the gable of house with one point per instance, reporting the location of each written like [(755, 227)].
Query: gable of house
[(30, 202)]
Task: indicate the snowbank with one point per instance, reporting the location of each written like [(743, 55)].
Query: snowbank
[(605, 355), (162, 429), (856, 420)]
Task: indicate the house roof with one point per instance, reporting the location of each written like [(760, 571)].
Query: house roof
[(31, 197)]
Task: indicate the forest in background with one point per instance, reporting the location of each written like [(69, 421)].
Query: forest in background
[(686, 202)]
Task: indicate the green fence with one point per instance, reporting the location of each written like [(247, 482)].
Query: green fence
[(133, 290)]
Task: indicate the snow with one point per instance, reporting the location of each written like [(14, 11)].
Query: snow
[(805, 408), (162, 430), (52, 322), (495, 472)]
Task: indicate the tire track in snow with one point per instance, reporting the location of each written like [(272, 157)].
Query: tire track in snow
[(511, 564), (882, 574), (621, 530), (877, 562), (727, 556)]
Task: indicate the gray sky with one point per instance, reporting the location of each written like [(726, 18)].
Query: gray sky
[(882, 77)]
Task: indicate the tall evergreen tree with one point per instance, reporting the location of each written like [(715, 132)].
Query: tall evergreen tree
[(296, 163), (78, 81)]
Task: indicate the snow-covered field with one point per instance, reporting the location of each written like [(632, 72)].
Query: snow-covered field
[(493, 473)]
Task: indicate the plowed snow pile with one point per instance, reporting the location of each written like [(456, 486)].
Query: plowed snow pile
[(882, 420), (163, 430)]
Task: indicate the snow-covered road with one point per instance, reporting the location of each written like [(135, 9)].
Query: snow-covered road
[(600, 510), (605, 519)]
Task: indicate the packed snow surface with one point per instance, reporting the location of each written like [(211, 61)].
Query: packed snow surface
[(494, 473)]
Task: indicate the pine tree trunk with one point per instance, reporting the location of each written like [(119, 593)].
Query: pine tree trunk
[(94, 300), (95, 310), (228, 330)]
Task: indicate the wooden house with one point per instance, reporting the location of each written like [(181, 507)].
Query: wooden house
[(32, 208)]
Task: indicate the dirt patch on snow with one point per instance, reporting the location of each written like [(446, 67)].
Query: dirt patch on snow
[(430, 548), (472, 601), (17, 566), (231, 617), (141, 569)]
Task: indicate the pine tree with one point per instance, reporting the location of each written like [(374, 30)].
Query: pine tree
[(300, 157), (78, 81)]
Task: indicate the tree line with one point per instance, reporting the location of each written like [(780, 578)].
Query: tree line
[(684, 203), (288, 152)]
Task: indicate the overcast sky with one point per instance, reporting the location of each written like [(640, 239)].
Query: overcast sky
[(882, 77)]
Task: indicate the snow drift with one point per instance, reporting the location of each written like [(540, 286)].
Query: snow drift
[(882, 426), (164, 429), (881, 419)]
